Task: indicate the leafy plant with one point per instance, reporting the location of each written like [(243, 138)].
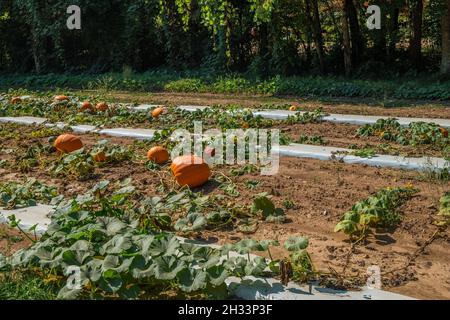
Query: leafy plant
[(113, 153), (118, 257), (246, 169), (252, 184), (306, 117), (25, 194), (315, 140), (417, 133), (379, 210), (288, 204), (78, 165), (264, 206), (444, 209), (364, 153)]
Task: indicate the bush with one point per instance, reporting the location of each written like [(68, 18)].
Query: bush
[(428, 89)]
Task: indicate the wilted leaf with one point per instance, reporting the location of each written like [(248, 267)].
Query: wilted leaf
[(296, 243)]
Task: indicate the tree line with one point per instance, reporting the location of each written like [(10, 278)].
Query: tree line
[(257, 37)]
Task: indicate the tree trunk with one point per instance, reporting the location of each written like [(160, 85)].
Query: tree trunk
[(445, 64), (415, 44), (312, 10), (347, 42), (379, 36), (35, 48), (355, 32), (393, 33)]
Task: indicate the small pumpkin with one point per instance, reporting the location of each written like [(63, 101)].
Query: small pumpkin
[(99, 157), (68, 143), (293, 108), (190, 170), (61, 98), (16, 100), (245, 125), (444, 132), (157, 112), (210, 151), (158, 155), (102, 106), (86, 106)]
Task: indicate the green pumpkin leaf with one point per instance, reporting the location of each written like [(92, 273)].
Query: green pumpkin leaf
[(217, 275), (296, 243), (263, 204), (191, 280), (68, 294), (167, 267), (346, 226), (246, 246), (111, 281), (193, 222)]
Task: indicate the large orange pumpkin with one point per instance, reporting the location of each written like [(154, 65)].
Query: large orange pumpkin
[(99, 157), (102, 106), (86, 106), (16, 100), (190, 171), (61, 98), (158, 155), (68, 143), (157, 112)]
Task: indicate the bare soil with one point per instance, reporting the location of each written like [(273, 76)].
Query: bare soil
[(380, 107), (322, 191), (12, 240)]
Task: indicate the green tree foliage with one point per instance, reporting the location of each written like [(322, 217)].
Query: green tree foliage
[(261, 37)]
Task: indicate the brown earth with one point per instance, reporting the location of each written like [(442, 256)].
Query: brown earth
[(321, 192), (392, 108), (12, 240)]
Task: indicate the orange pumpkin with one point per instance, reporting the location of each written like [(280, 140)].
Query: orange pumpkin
[(68, 143), (444, 132), (61, 98), (245, 125), (102, 106), (293, 108), (16, 100), (190, 171), (158, 155), (86, 106), (99, 157), (157, 112)]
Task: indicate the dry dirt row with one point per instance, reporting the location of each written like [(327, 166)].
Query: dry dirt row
[(392, 108)]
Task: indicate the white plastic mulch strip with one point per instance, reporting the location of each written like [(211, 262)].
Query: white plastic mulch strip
[(341, 154), (129, 133), (144, 107), (336, 118), (23, 120), (29, 217), (250, 288), (193, 108)]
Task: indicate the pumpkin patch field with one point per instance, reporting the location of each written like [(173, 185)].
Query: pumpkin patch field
[(143, 225)]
